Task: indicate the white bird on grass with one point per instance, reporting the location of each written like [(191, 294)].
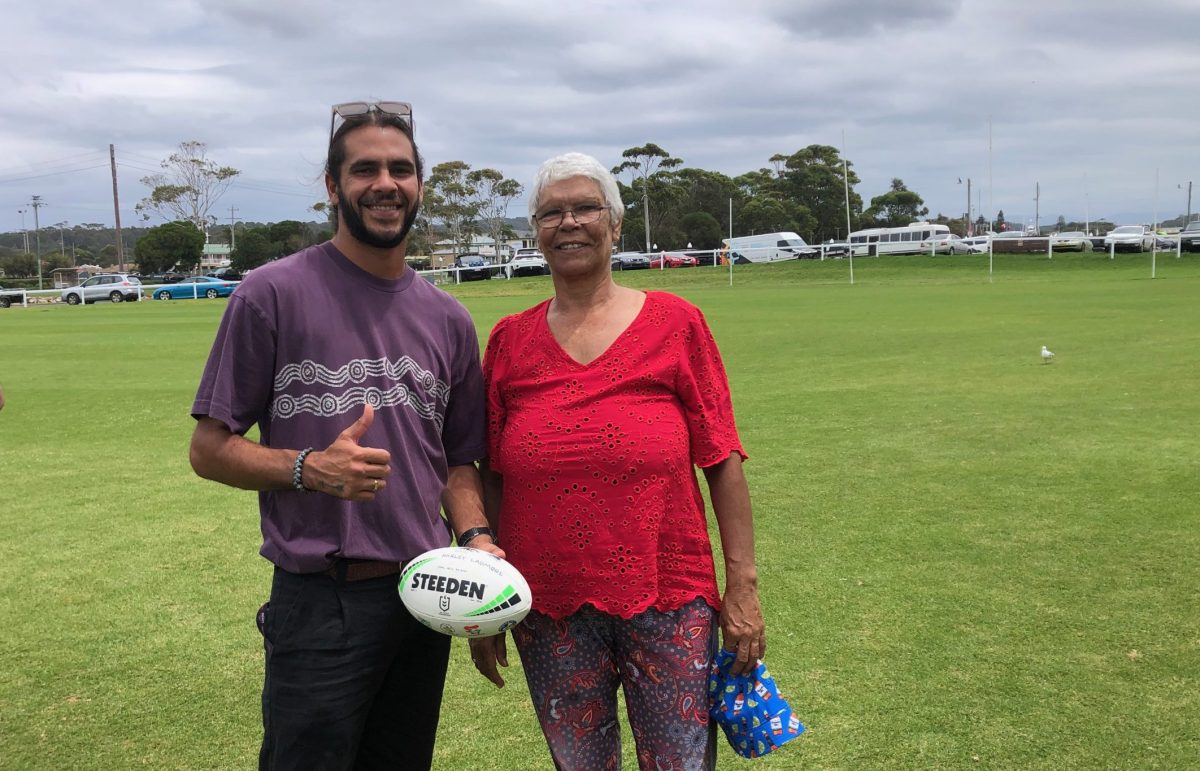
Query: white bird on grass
[(1047, 355)]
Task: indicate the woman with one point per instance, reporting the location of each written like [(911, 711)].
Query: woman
[(600, 400)]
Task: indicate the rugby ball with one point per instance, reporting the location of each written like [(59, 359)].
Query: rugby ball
[(464, 592)]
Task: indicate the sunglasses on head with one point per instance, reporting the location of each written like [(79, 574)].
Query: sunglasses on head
[(402, 110)]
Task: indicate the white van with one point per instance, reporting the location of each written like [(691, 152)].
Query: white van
[(767, 247)]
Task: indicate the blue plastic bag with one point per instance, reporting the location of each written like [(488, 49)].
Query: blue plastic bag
[(749, 708)]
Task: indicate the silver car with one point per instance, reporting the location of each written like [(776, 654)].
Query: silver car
[(114, 287), (1134, 238)]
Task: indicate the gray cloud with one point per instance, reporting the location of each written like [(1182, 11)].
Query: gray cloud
[(1086, 99)]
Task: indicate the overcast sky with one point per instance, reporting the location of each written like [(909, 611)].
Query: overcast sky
[(1088, 99)]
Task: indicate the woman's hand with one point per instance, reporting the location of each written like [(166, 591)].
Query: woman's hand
[(486, 653), (742, 627)]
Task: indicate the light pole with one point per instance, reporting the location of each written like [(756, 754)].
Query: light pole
[(1189, 205), (967, 229), (24, 232), (37, 234)]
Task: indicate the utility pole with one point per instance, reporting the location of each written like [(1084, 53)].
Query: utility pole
[(112, 161), (1037, 208), (646, 209), (1189, 208), (232, 223), (37, 234)]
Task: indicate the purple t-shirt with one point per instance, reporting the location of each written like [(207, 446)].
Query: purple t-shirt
[(308, 340)]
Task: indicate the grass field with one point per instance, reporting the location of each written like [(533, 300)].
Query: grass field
[(968, 559)]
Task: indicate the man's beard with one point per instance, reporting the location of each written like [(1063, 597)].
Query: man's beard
[(358, 228)]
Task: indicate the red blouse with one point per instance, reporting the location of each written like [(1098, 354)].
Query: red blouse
[(601, 504)]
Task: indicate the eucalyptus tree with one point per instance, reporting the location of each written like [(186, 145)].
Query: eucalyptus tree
[(898, 206), (452, 200), (188, 187), (818, 179), (493, 194), (645, 163)]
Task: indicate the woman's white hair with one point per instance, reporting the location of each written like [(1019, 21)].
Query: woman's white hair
[(570, 165)]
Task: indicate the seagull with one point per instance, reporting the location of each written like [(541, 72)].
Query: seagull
[(1047, 355)]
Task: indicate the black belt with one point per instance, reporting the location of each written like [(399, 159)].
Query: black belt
[(362, 570)]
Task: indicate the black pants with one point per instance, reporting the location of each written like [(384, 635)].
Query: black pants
[(352, 680)]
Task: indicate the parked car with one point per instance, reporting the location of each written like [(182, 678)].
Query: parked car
[(196, 286), (473, 267), (225, 274), (169, 277), (946, 243), (978, 244), (1131, 238), (630, 261), (526, 262), (1189, 237), (114, 287), (1015, 242), (674, 260), (1071, 240), (835, 249), (10, 296)]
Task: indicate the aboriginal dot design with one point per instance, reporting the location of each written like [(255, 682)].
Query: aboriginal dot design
[(601, 504), (349, 396)]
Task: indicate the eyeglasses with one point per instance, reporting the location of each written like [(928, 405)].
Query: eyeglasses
[(583, 215), (346, 110)]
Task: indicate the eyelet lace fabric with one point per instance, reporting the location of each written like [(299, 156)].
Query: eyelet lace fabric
[(601, 502)]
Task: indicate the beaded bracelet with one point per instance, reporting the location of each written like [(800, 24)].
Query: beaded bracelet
[(298, 470)]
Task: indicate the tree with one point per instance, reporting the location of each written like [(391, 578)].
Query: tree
[(19, 264), (493, 194), (451, 198), (645, 163), (175, 244), (701, 230), (707, 192), (253, 248), (898, 206), (1001, 225), (767, 214), (188, 188), (289, 236), (813, 179), (754, 183)]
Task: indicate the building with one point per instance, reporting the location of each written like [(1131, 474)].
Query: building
[(215, 257)]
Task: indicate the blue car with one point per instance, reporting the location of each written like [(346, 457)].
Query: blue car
[(194, 287)]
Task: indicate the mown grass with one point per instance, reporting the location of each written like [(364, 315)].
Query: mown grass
[(967, 558)]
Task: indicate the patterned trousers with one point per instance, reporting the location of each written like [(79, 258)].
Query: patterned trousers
[(661, 661)]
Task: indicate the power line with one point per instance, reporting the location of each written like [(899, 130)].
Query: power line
[(68, 160), (8, 180)]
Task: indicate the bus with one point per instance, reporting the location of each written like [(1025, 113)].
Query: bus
[(873, 242)]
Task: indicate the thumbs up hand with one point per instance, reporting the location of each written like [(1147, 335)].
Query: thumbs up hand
[(346, 469)]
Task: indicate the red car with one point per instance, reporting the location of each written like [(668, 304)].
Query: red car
[(674, 260)]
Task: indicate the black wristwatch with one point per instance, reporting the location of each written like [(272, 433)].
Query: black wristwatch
[(469, 535)]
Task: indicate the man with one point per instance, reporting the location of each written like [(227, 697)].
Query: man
[(365, 384)]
